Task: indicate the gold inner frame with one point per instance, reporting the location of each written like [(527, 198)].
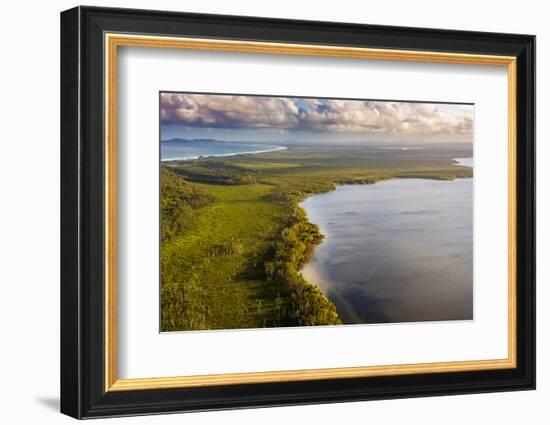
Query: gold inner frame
[(113, 41)]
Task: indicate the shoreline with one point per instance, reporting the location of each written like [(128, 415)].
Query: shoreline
[(311, 247), (305, 303), (463, 162), (190, 158)]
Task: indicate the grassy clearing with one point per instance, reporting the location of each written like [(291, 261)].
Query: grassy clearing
[(237, 238), (212, 274)]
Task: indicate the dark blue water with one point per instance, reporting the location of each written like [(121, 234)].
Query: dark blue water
[(192, 149), (400, 250)]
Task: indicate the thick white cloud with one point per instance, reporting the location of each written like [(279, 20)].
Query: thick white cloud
[(317, 115)]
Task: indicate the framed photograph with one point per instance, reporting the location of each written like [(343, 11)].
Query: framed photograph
[(261, 212)]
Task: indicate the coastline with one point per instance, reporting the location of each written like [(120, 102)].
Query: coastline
[(190, 158), (324, 284), (312, 246), (464, 162), (303, 303)]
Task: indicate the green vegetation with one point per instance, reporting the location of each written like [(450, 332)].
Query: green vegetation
[(234, 237), (178, 200), (308, 305)]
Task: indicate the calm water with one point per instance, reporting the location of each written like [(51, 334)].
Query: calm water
[(192, 149), (396, 251), (469, 162)]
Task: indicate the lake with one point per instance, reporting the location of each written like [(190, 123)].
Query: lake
[(399, 250), (178, 149)]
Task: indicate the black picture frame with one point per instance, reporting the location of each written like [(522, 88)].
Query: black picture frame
[(83, 392)]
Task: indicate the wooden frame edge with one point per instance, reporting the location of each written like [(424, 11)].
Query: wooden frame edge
[(114, 40), (306, 375), (512, 212), (110, 213)]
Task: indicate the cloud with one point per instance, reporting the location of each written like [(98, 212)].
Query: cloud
[(315, 115)]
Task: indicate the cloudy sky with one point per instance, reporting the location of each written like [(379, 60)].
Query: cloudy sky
[(262, 118)]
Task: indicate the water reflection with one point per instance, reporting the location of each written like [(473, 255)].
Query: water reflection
[(395, 251)]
